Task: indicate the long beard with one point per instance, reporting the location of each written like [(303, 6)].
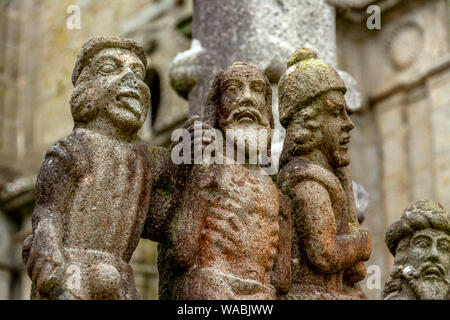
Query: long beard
[(248, 140), (425, 289), (340, 159)]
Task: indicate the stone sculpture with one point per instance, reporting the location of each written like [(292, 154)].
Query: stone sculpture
[(229, 236), (420, 244), (328, 246), (93, 189)]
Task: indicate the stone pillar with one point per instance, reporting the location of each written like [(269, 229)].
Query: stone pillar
[(404, 71), (261, 32), (264, 33)]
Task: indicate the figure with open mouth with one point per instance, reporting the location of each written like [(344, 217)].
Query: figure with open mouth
[(93, 189), (328, 246), (420, 244), (230, 236)]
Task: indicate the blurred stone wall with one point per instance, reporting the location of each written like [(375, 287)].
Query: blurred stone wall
[(401, 144)]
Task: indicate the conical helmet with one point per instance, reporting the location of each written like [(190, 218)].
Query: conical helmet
[(304, 80)]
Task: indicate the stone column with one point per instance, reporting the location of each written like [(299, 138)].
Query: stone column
[(262, 32)]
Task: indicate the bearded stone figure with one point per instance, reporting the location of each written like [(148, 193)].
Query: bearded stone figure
[(93, 189), (229, 238), (420, 244), (328, 246)]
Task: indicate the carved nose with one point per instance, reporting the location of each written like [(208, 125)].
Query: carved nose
[(349, 125), (129, 78), (247, 102), (434, 254)]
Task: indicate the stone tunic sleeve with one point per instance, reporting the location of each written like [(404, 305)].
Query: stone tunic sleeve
[(42, 250), (320, 218), (281, 274), (164, 194)]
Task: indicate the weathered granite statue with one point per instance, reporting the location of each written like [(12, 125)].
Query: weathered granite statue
[(420, 243), (328, 246), (230, 235), (93, 189)]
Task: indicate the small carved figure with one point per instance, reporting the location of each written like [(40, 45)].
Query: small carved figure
[(420, 244), (230, 235), (328, 246), (93, 189)]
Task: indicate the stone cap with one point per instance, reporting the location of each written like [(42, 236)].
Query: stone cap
[(304, 80), (94, 45), (420, 215)]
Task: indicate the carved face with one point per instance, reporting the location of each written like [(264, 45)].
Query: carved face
[(335, 128), (120, 94), (243, 104), (429, 255)]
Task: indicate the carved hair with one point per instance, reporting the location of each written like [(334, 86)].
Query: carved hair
[(82, 107), (90, 49), (211, 113)]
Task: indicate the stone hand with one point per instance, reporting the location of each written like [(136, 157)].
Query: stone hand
[(48, 274), (199, 139)]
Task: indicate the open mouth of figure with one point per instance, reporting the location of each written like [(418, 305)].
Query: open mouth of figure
[(344, 142), (433, 272), (246, 115), (130, 101)]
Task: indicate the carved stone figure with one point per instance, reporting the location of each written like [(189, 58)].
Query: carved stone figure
[(328, 246), (229, 237), (420, 244), (93, 189)]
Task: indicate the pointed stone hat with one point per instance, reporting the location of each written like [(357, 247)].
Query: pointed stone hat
[(304, 80)]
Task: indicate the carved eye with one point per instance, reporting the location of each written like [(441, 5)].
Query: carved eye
[(107, 68), (337, 111), (231, 88), (258, 88), (422, 243), (139, 73), (444, 247)]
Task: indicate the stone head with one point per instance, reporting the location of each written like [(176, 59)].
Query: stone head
[(313, 109), (240, 98), (109, 84), (420, 243)]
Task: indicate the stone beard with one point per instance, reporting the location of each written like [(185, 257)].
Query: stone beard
[(328, 247), (93, 189), (420, 242), (225, 240)]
